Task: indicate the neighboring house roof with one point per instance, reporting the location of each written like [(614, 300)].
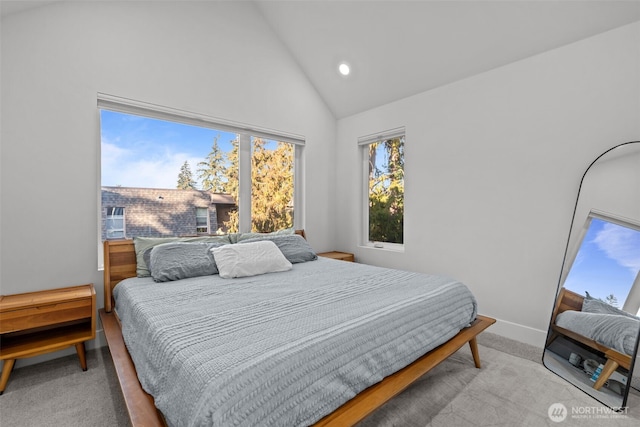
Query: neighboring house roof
[(158, 193), (222, 199)]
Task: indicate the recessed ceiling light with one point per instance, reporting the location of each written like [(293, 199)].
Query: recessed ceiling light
[(344, 69)]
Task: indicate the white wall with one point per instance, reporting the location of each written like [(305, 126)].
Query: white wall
[(492, 168), (611, 185), (214, 58)]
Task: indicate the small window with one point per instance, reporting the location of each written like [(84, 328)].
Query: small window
[(383, 169), (115, 223), (202, 220)]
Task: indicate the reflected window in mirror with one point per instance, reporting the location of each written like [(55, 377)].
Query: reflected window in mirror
[(607, 261)]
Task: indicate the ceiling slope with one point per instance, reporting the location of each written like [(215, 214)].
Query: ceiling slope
[(400, 48)]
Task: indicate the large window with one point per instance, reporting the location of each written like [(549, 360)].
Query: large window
[(383, 189), (160, 164)]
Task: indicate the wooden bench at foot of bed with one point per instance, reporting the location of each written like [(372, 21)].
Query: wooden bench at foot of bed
[(143, 412)]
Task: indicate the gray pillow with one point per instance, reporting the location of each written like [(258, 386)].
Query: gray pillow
[(592, 305), (252, 235), (293, 246), (143, 245), (180, 260)]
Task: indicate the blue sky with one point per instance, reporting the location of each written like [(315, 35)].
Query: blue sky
[(143, 152), (607, 262)]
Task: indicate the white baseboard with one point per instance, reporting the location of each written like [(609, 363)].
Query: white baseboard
[(519, 332)]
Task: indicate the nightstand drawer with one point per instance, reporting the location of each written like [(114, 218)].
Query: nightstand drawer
[(45, 315)]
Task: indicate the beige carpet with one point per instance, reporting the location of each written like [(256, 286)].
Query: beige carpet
[(59, 394), (508, 391)]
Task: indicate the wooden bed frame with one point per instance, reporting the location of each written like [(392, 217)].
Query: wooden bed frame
[(120, 263), (569, 300)]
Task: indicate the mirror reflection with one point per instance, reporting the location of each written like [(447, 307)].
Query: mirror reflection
[(593, 334)]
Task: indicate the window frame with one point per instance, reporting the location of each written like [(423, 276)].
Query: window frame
[(580, 236), (363, 145), (572, 253), (207, 220), (110, 216), (244, 131)]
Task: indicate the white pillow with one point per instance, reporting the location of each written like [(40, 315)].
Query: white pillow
[(249, 259)]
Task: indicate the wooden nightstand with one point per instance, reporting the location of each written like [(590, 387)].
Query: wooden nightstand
[(35, 323), (342, 256)]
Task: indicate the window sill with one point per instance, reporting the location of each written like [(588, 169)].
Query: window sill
[(389, 247)]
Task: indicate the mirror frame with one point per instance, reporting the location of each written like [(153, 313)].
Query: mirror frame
[(561, 285)]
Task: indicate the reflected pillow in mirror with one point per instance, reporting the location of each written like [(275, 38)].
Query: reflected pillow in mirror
[(592, 305)]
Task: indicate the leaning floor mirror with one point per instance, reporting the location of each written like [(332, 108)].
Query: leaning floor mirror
[(595, 329)]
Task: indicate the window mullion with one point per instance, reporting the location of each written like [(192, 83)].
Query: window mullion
[(298, 193), (244, 184)]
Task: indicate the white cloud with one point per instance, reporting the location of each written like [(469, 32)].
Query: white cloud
[(126, 168), (620, 244)]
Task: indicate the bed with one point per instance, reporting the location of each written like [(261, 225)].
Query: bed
[(598, 326), (220, 363)]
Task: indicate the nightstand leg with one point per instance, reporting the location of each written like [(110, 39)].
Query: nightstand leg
[(82, 355), (6, 371)]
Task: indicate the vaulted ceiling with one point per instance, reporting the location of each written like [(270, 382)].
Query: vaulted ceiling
[(400, 48)]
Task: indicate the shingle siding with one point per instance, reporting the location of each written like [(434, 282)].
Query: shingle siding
[(151, 212)]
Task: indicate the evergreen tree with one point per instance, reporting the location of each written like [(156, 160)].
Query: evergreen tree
[(212, 170), (232, 185), (612, 300), (185, 178), (271, 186)]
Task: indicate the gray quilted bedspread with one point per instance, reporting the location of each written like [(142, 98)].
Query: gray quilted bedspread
[(282, 349), (616, 332)]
